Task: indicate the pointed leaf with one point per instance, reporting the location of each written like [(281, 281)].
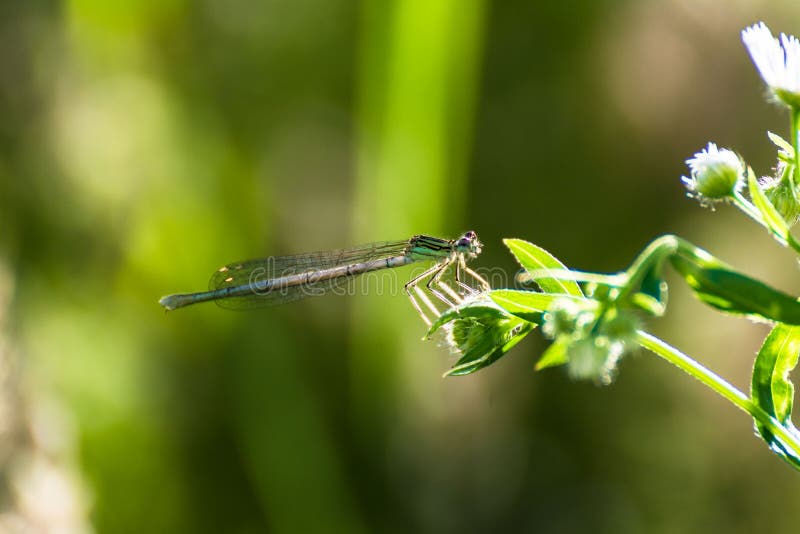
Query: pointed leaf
[(649, 304), (772, 219), (718, 285), (781, 143), (556, 354), (472, 309), (771, 389), (483, 339), (529, 305), (475, 361), (654, 286), (481, 332), (534, 258)]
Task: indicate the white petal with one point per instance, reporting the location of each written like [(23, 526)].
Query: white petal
[(791, 47), (766, 53)]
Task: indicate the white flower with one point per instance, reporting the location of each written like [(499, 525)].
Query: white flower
[(777, 61), (716, 173)]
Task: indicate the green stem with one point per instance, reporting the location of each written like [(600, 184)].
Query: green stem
[(659, 250), (751, 211), (793, 243), (795, 124), (747, 207), (654, 254), (719, 385)]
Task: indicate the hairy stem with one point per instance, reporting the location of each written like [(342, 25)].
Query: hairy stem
[(795, 124), (719, 385)]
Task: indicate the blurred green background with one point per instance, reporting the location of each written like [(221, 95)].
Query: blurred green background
[(145, 143)]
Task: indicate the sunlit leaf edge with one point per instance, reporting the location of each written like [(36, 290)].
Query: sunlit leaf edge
[(534, 258)]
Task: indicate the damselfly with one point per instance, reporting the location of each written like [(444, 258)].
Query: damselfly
[(279, 279)]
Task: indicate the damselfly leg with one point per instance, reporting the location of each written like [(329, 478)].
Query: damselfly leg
[(462, 263), (460, 282), (412, 285), (438, 288), (435, 282)]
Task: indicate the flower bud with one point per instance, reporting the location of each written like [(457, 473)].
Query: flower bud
[(568, 317), (594, 358), (716, 174)]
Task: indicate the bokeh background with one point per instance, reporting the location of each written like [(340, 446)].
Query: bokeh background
[(145, 143)]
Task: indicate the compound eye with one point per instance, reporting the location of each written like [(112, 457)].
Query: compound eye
[(470, 235)]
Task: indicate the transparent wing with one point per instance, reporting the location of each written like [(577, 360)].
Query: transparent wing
[(250, 272)]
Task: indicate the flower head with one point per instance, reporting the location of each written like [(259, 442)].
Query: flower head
[(591, 339), (594, 359), (777, 61), (716, 174)]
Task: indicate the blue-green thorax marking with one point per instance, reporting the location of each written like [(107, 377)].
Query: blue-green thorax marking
[(425, 247)]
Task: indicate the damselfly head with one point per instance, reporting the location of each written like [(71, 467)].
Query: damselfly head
[(468, 244)]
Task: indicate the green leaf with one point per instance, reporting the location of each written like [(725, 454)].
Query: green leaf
[(782, 143), (654, 286), (477, 359), (529, 305), (533, 258), (772, 218), (771, 389), (648, 304), (556, 354), (719, 286), (451, 314), (481, 332)]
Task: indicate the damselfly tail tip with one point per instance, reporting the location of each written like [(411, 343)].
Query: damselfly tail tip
[(170, 302)]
